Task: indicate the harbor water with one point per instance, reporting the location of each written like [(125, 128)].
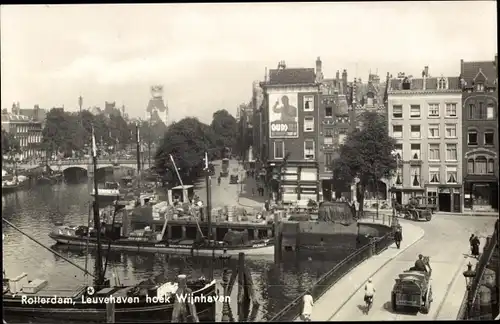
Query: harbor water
[(36, 210)]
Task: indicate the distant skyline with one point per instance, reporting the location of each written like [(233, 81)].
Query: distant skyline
[(207, 55)]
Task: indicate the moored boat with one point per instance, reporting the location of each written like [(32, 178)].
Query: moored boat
[(109, 192)]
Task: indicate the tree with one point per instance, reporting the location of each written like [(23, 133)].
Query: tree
[(366, 155), (10, 145), (187, 141), (58, 135), (226, 129)]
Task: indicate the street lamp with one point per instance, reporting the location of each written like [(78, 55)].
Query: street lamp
[(396, 155), (469, 275)]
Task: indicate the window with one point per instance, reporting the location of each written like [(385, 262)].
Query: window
[(309, 149), (434, 152), (328, 161), (434, 175), (482, 112), (472, 138), (472, 111), (397, 131), (397, 111), (415, 176), (451, 152), (342, 138), (491, 166), (451, 110), (480, 165), (399, 176), (490, 112), (415, 151), (328, 140), (434, 131), (415, 131), (488, 138), (470, 166), (442, 84), (480, 87), (328, 112), (308, 124), (451, 131), (308, 103), (398, 150), (279, 149), (451, 175), (415, 111), (434, 110)]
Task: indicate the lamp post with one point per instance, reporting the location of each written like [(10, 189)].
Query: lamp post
[(396, 155), (469, 275)]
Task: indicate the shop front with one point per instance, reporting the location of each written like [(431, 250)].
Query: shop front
[(449, 198), (481, 192)]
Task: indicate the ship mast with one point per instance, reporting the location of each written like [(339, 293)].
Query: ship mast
[(99, 282), (138, 153)]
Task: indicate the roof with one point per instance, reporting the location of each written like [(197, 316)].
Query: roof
[(292, 76), (183, 187), (10, 117), (36, 114), (469, 70), (430, 83)]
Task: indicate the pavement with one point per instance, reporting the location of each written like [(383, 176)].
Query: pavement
[(465, 213), (444, 240)]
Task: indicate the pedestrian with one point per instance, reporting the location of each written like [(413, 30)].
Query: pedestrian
[(307, 306), (253, 191), (266, 205), (474, 245), (398, 236)]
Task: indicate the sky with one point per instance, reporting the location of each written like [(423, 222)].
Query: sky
[(207, 55)]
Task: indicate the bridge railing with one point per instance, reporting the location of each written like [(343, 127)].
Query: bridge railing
[(325, 282), (87, 161), (475, 312)]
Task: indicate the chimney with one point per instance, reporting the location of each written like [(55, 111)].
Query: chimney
[(426, 71), (319, 70), (337, 76), (36, 111), (425, 75)]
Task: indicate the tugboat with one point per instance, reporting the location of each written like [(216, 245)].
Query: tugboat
[(32, 300)]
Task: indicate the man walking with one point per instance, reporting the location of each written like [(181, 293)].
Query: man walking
[(398, 236)]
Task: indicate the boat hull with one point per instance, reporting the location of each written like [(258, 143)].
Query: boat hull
[(261, 249), (15, 311)]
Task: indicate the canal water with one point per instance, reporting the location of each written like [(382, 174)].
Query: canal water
[(35, 211)]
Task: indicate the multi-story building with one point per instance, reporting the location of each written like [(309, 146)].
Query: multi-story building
[(290, 120), (257, 99), (26, 129), (480, 133), (425, 117), (334, 111)]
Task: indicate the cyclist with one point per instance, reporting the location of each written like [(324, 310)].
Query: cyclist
[(369, 293)]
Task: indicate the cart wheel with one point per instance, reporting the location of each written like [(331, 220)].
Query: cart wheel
[(393, 302), (428, 217)]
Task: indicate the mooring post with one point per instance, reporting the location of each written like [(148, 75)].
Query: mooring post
[(179, 311), (278, 237), (110, 312), (225, 286)]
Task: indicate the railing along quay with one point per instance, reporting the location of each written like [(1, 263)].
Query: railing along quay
[(325, 282), (470, 308)]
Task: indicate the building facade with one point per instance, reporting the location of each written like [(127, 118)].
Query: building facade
[(26, 129), (479, 83), (425, 116), (290, 129)]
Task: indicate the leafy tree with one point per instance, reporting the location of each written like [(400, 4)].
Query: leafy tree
[(10, 145), (187, 141), (366, 155), (226, 129), (58, 135)]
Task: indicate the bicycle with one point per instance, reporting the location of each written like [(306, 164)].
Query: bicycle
[(368, 302)]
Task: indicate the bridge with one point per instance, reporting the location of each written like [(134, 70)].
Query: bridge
[(86, 164), (338, 294)]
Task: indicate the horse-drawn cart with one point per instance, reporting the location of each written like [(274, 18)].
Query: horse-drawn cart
[(412, 289)]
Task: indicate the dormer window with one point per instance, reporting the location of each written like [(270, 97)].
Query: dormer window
[(369, 99), (406, 84), (480, 87), (442, 83)]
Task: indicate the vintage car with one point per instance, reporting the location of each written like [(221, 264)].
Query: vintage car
[(413, 289), (233, 179)]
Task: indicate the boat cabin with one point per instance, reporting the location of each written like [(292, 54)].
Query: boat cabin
[(183, 194)]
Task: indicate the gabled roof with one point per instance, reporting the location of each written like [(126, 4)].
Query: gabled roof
[(480, 77), (470, 70), (292, 76)]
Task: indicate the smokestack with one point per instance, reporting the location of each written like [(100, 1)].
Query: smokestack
[(354, 93), (344, 80), (319, 71), (337, 76)]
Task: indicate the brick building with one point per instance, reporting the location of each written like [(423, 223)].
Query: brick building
[(480, 133), (425, 116), (290, 121)]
